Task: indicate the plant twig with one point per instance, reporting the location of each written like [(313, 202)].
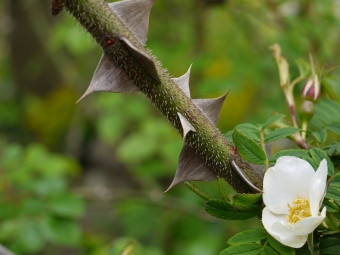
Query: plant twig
[(207, 141), (197, 191)]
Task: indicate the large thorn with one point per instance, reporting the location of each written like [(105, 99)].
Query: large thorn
[(244, 177), (183, 82), (135, 15), (108, 77), (191, 168), (186, 125), (211, 107), (145, 60)]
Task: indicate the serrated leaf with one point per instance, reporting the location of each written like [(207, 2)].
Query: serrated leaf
[(228, 211), (336, 180), (248, 236), (311, 162), (247, 199), (248, 127), (334, 149), (317, 122), (280, 133), (248, 148), (334, 127), (333, 193), (290, 152), (318, 155), (267, 250), (331, 206), (250, 130), (326, 112), (331, 106), (320, 135), (330, 245), (272, 120), (243, 249), (280, 248)]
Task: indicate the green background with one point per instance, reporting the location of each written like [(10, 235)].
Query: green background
[(76, 177)]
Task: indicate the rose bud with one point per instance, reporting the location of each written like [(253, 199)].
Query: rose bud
[(312, 89)]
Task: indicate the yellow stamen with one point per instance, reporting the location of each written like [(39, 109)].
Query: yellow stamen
[(299, 210)]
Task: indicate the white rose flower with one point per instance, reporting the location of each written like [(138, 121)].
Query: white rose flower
[(293, 193)]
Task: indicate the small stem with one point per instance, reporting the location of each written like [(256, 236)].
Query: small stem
[(310, 244), (197, 191), (304, 129), (296, 81), (298, 138), (264, 148), (288, 92)]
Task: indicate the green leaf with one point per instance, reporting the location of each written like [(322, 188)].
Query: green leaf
[(290, 152), (336, 180), (267, 250), (320, 135), (311, 162), (247, 199), (331, 206), (61, 231), (271, 120), (67, 205), (249, 130), (330, 106), (228, 211), (326, 112), (248, 236), (280, 133), (29, 238), (280, 248), (248, 148), (334, 127), (243, 249), (9, 228), (123, 246), (333, 149), (47, 187), (229, 136), (330, 245), (333, 193), (318, 155)]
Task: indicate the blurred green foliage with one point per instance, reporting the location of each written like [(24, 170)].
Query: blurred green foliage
[(228, 46), (36, 204)]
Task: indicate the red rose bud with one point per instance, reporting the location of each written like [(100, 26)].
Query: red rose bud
[(312, 88)]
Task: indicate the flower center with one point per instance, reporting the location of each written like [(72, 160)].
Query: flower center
[(299, 210)]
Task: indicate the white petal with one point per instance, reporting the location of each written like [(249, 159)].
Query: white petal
[(307, 225), (318, 187), (276, 226), (269, 218), (287, 237), (283, 183)]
